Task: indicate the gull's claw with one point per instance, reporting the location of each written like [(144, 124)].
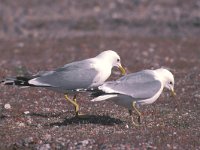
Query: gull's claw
[(139, 120), (73, 102), (135, 124), (81, 116), (138, 112)]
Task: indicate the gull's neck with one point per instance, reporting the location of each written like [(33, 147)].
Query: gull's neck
[(162, 75), (105, 61)]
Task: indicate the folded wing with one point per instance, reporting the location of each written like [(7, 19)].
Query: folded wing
[(71, 76), (141, 85)]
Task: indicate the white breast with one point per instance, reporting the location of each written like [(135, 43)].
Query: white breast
[(126, 101), (104, 71), (152, 99)]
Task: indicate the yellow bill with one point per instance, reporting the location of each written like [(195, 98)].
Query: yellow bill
[(173, 93), (123, 71)]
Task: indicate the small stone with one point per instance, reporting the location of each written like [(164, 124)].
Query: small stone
[(27, 112), (197, 95), (168, 145), (20, 44), (47, 137), (151, 49), (145, 53), (97, 9), (167, 59), (55, 127), (29, 121), (39, 125), (28, 141), (21, 124), (46, 109), (16, 51), (7, 106), (127, 126), (45, 147), (186, 114), (84, 142), (121, 1)]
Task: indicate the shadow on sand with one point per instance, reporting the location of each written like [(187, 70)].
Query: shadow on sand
[(83, 119), (45, 115), (88, 119)]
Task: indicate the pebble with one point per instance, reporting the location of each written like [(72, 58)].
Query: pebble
[(21, 124), (47, 137), (39, 125), (97, 9), (168, 145), (83, 143), (127, 126), (29, 120), (44, 147), (197, 95), (21, 44), (27, 112), (7, 106), (151, 50), (28, 141), (145, 53)]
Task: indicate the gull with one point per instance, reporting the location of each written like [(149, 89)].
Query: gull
[(135, 89), (74, 77)]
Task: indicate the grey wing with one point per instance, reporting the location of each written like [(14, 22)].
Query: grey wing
[(72, 76), (142, 76), (140, 89), (137, 90), (75, 65)]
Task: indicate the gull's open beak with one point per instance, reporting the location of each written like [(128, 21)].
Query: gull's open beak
[(123, 71), (173, 93)]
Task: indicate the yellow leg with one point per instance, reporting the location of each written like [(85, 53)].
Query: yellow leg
[(73, 103), (74, 98), (131, 114), (75, 108), (134, 106), (138, 112)]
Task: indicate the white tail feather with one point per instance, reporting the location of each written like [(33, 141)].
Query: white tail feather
[(37, 83), (103, 97)]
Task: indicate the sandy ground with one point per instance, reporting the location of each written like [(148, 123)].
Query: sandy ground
[(160, 34)]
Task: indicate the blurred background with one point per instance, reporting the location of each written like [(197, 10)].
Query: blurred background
[(67, 30), (40, 35), (65, 18)]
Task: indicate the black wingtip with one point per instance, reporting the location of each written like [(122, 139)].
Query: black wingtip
[(19, 81), (97, 93), (7, 81)]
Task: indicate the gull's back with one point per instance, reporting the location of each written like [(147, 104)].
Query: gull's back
[(140, 85), (76, 75)]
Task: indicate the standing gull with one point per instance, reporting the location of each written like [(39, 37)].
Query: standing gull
[(73, 77), (136, 89)]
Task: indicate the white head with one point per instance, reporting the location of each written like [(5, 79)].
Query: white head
[(113, 58), (167, 79)]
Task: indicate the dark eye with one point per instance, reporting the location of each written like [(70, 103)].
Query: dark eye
[(118, 60), (170, 82)]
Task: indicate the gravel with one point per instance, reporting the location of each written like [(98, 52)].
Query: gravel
[(43, 35)]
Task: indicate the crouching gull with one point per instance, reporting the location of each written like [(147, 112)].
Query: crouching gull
[(73, 77), (136, 89)]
